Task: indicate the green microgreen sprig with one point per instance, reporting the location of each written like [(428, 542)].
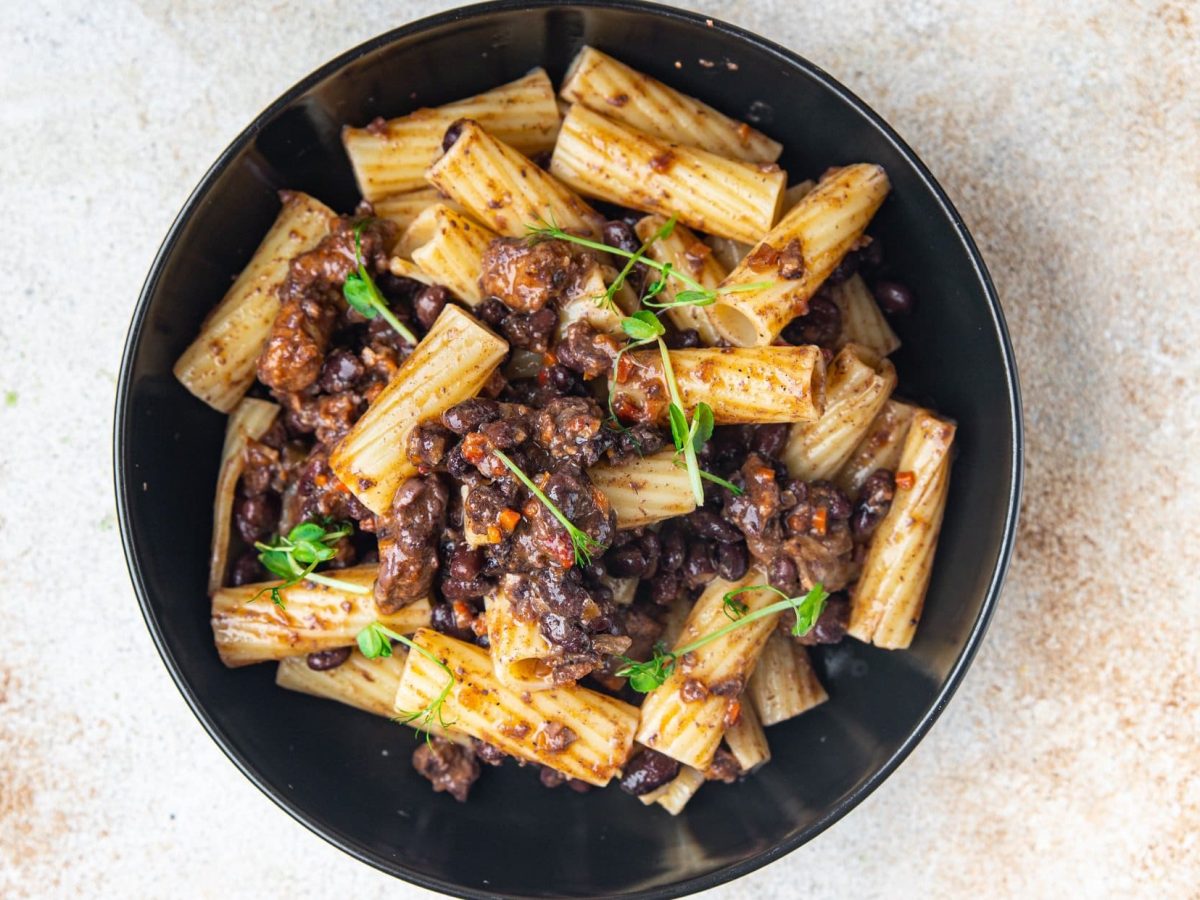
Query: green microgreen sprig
[(583, 544), (295, 557), (646, 676), (363, 294), (375, 641)]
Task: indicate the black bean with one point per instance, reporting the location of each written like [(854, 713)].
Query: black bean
[(871, 256), (453, 133), (844, 270), (564, 633), (429, 303), (328, 659), (770, 440), (561, 380), (470, 414), (707, 524), (893, 298), (683, 340), (493, 311), (443, 619), (781, 574), (620, 235), (626, 562), (651, 550), (831, 626), (256, 517), (340, 372), (664, 587), (821, 325), (732, 561), (673, 551), (453, 589), (701, 564), (247, 569), (874, 501), (465, 562), (647, 771), (530, 331)]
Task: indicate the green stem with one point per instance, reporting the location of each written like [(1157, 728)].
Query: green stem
[(689, 451)]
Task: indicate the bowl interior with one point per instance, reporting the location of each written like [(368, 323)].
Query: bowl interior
[(346, 774)]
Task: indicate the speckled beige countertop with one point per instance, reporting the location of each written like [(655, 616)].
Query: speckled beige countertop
[(1068, 133)]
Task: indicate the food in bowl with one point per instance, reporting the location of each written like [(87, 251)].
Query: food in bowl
[(571, 438)]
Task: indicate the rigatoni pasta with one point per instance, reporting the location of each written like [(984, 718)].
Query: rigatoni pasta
[(505, 190), (784, 683), (602, 158), (879, 448), (857, 385), (603, 84), (798, 254), (528, 726), (402, 209), (747, 741), (750, 385), (390, 157), (863, 322), (645, 490), (219, 365), (520, 654), (887, 601), (249, 628), (451, 364), (449, 248)]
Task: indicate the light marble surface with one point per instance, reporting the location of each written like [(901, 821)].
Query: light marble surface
[(1067, 132)]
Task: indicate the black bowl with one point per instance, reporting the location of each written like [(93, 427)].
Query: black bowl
[(323, 763)]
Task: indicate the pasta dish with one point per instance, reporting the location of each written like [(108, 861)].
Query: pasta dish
[(569, 442)]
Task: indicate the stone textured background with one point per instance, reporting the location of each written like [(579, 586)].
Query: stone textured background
[(1068, 133)]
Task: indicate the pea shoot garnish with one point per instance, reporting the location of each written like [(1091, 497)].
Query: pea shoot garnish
[(363, 295), (295, 557), (582, 543), (696, 293), (375, 641), (644, 677)]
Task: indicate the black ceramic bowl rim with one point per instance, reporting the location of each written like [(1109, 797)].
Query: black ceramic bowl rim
[(121, 421)]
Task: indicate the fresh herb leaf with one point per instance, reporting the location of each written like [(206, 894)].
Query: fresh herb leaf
[(363, 295), (679, 425), (653, 673), (375, 641), (294, 557), (702, 425), (582, 543), (643, 326)]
